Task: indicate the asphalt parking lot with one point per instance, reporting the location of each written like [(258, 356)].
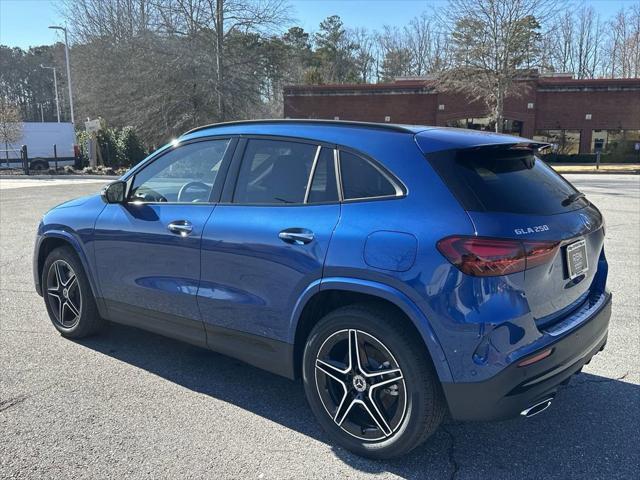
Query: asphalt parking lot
[(133, 404)]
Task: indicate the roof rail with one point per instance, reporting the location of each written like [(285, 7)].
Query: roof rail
[(383, 126)]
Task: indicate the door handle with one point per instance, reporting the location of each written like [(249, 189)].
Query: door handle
[(296, 236), (180, 227)]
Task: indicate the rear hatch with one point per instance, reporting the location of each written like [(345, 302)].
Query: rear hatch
[(511, 195)]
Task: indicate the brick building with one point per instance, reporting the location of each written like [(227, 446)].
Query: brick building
[(581, 116)]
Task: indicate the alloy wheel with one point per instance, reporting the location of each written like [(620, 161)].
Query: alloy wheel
[(361, 385), (63, 291)]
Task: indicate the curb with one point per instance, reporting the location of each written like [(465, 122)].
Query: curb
[(598, 172)]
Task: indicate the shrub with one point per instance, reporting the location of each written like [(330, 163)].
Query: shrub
[(119, 147), (133, 150)]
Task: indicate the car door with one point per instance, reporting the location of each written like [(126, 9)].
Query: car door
[(266, 242), (147, 250)]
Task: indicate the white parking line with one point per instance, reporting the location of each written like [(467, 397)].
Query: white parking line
[(6, 183)]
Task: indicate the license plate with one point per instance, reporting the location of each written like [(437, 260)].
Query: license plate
[(577, 262)]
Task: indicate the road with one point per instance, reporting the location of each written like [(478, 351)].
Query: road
[(133, 404)]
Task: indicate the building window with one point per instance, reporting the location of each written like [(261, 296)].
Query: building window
[(336, 118), (530, 105), (587, 116), (564, 142), (441, 107), (387, 118), (616, 143), (513, 127)]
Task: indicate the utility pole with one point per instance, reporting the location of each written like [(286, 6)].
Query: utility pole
[(55, 86), (220, 58), (66, 54)]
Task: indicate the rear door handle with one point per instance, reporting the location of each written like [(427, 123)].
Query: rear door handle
[(296, 236), (180, 227)]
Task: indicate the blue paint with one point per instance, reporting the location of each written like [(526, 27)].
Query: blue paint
[(400, 258)]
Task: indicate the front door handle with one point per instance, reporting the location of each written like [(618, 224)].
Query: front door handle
[(296, 236), (180, 227)]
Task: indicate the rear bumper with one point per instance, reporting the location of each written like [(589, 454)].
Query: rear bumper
[(515, 388)]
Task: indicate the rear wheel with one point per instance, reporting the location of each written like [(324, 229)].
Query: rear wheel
[(370, 383), (39, 164), (67, 295)]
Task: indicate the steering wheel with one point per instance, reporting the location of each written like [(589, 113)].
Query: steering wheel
[(189, 185)]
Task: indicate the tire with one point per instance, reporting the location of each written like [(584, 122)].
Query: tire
[(409, 402), (39, 164), (63, 279)]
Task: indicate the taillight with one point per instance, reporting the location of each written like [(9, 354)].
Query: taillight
[(489, 257), (539, 253)]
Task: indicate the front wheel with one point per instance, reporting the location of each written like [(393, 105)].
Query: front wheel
[(67, 295), (369, 382)]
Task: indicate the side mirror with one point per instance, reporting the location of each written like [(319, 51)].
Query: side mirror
[(114, 192)]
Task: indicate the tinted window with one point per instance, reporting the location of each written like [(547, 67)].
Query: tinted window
[(503, 180), (360, 179), (185, 174), (323, 186), (274, 171)]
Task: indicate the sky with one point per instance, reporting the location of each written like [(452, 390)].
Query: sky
[(24, 23)]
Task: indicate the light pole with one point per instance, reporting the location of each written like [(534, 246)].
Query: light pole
[(55, 86), (66, 54)]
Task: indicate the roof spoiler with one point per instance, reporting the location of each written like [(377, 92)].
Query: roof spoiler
[(526, 145), (536, 146)]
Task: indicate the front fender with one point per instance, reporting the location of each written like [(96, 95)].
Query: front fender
[(390, 294), (71, 239)]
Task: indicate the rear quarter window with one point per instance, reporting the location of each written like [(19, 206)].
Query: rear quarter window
[(361, 179), (503, 180)]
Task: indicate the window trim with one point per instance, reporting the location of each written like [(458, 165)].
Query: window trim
[(336, 166), (312, 173), (216, 188), (399, 187)]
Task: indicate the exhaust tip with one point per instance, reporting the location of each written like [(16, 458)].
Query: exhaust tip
[(536, 408)]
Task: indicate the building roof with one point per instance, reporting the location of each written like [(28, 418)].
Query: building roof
[(561, 82)]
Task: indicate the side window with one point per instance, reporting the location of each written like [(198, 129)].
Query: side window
[(360, 179), (274, 171), (323, 186), (185, 174)]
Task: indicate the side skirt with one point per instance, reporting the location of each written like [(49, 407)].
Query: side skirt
[(265, 353), (179, 328)]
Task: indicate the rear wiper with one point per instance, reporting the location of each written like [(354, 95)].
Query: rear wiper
[(572, 198)]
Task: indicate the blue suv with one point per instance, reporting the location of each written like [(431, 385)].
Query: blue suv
[(402, 272)]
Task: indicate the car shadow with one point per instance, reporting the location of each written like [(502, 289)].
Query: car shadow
[(589, 431)]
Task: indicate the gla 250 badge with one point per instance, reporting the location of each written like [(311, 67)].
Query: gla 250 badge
[(534, 229)]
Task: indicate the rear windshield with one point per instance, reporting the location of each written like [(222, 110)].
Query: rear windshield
[(493, 179)]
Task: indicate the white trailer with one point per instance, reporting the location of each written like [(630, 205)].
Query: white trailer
[(40, 137)]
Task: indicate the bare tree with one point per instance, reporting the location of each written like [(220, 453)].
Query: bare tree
[(429, 45), (223, 18), (575, 43), (396, 56), (364, 56), (10, 124), (623, 43), (492, 41), (114, 19)]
